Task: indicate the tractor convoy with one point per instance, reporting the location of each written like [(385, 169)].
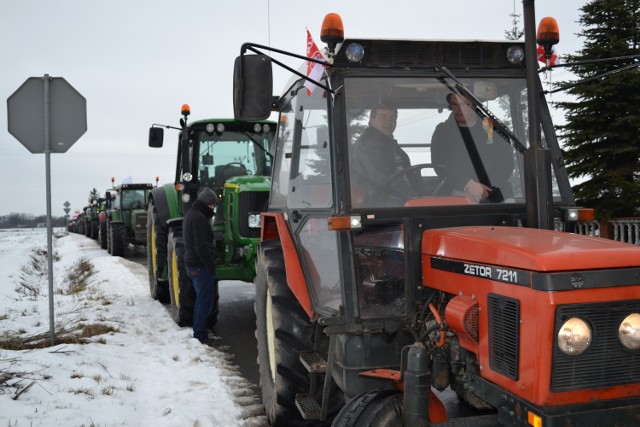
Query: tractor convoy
[(371, 300), (117, 220)]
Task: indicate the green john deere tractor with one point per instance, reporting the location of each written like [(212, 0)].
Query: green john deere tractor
[(231, 157), (126, 218), (90, 218)]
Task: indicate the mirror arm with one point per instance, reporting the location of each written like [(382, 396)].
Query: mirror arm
[(156, 125), (253, 48), (593, 78)]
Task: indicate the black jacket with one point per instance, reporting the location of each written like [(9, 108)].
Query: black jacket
[(449, 150), (375, 157), (200, 250)]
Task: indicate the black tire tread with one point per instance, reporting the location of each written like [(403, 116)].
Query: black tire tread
[(293, 333), (376, 408)]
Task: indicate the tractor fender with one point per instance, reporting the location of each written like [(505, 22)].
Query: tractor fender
[(116, 222), (274, 226), (166, 202), (174, 222), (159, 197)]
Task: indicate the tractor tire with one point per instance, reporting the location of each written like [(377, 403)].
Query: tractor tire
[(94, 230), (181, 293), (118, 239), (378, 408), (156, 256), (283, 330), (108, 236), (102, 234), (383, 408), (87, 229)]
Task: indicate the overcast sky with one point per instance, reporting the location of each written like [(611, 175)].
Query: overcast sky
[(137, 62)]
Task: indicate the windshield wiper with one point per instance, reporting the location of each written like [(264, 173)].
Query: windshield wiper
[(502, 129), (258, 144)]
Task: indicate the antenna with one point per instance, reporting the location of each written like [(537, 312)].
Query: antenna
[(269, 22)]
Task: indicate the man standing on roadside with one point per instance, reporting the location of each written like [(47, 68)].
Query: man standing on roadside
[(200, 259)]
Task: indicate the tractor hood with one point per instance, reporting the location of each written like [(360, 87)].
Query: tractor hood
[(528, 249), (249, 183)]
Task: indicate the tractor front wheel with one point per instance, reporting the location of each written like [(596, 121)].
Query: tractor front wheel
[(181, 293), (118, 239), (156, 255), (102, 234), (383, 408), (94, 229)]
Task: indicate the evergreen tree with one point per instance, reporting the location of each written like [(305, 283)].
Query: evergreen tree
[(602, 134), (94, 195)]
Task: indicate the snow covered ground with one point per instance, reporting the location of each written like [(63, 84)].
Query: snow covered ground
[(144, 371)]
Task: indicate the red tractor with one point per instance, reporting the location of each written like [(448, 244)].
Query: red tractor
[(371, 301)]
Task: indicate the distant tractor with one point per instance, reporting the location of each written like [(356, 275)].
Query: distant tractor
[(232, 157), (90, 217), (126, 217)]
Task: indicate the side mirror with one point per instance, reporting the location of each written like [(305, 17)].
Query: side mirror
[(252, 87), (156, 137)]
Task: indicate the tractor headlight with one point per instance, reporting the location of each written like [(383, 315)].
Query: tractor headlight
[(515, 55), (629, 331), (186, 198), (574, 336), (187, 177), (254, 220), (355, 52)]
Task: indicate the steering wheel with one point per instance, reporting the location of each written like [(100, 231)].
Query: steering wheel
[(414, 170), (234, 164)]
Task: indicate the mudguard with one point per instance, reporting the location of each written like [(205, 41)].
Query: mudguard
[(274, 226)]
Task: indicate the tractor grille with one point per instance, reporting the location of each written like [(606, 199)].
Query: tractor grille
[(250, 202), (471, 323), (606, 362), (504, 335)]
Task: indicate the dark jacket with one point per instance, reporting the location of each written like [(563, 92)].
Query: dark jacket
[(375, 157), (448, 149), (200, 250)]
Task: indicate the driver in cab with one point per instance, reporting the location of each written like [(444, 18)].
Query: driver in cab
[(376, 157)]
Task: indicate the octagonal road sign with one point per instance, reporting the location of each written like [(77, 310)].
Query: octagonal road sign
[(67, 114)]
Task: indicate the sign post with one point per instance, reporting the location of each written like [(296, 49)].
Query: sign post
[(47, 115)]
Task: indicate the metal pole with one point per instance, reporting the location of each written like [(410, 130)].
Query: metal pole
[(47, 156), (537, 158)]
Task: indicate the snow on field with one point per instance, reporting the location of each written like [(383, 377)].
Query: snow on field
[(143, 370)]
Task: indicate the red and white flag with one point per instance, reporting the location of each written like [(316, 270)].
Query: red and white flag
[(541, 58), (314, 70)]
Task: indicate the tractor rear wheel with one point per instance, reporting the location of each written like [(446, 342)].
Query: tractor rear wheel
[(382, 408), (118, 239), (283, 330), (156, 255), (181, 293)]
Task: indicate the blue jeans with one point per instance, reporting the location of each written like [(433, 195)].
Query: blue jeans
[(203, 283)]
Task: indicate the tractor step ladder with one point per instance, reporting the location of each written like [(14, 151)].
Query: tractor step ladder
[(314, 363), (318, 367)]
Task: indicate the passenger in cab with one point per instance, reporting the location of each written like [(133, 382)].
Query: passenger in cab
[(474, 161)]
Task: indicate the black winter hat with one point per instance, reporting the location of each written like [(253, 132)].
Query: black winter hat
[(208, 197)]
